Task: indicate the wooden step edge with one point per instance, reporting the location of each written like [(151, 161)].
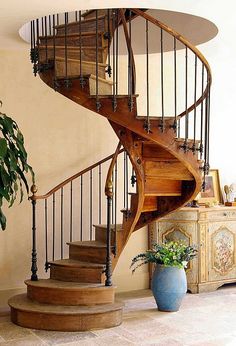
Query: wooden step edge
[(174, 194), (76, 264), (23, 303), (51, 284), (144, 117), (118, 227), (73, 34), (89, 244), (189, 140), (83, 21), (112, 96), (70, 47), (60, 58)]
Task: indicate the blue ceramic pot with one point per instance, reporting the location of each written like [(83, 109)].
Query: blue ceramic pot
[(169, 286)]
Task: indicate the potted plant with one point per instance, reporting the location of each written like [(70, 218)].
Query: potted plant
[(13, 164), (169, 283)]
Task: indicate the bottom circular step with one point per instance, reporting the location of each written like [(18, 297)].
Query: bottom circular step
[(29, 314)]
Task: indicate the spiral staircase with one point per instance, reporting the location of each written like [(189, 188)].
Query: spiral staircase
[(168, 154)]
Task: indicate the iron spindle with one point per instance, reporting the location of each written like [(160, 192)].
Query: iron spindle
[(114, 100), (91, 204), (112, 201), (130, 85), (50, 25), (176, 125), (71, 211), (98, 104), (46, 39), (147, 126), (46, 234), (67, 83), (42, 26), (117, 48), (108, 281), (34, 268), (108, 70), (208, 130), (76, 16), (81, 78), (55, 85), (31, 39), (162, 84), (58, 19), (53, 226), (62, 224), (126, 181), (186, 99), (201, 131), (81, 207), (206, 139), (195, 108), (99, 194)]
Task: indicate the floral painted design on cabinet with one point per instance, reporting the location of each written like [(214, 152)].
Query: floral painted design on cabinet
[(223, 250)]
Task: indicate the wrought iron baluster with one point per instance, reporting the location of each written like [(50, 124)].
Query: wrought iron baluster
[(50, 25), (108, 281), (34, 268), (126, 181), (131, 101), (117, 49), (62, 222), (42, 26), (71, 211), (58, 19), (185, 146), (108, 37), (114, 99), (176, 125), (67, 81), (162, 84), (91, 205), (194, 148), (46, 40), (53, 225), (81, 207), (124, 174), (46, 234), (81, 78), (76, 16), (147, 125), (112, 200), (202, 121), (100, 194), (98, 104)]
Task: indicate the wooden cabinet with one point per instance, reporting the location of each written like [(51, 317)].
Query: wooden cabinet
[(213, 230)]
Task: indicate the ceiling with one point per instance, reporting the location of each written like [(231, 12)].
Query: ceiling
[(14, 14)]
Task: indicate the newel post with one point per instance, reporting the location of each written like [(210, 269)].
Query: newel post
[(109, 194), (34, 267)]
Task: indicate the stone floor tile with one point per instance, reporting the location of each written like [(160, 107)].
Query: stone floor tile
[(10, 331), (55, 338), (29, 341)]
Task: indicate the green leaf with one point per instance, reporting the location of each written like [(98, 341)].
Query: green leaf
[(3, 147)]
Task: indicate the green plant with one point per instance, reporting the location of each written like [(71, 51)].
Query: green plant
[(172, 254), (13, 164)]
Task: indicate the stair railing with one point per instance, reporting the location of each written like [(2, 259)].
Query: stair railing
[(69, 211), (109, 192)]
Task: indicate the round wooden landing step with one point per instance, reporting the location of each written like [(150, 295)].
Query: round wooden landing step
[(29, 314), (48, 291)]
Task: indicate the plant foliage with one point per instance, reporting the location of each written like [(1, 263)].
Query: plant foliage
[(172, 254), (13, 164)]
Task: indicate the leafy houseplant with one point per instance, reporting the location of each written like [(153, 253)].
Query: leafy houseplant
[(169, 283), (13, 164)]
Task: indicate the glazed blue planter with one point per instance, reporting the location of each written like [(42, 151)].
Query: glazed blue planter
[(169, 286)]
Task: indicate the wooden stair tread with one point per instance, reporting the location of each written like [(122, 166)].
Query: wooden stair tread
[(77, 23), (74, 34), (21, 302), (82, 61), (70, 47), (57, 284), (112, 96), (88, 243), (189, 140), (119, 227), (76, 264)]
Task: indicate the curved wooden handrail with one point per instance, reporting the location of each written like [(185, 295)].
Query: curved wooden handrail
[(109, 183), (183, 40), (130, 50), (68, 180)]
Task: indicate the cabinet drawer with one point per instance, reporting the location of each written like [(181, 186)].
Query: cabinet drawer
[(222, 215)]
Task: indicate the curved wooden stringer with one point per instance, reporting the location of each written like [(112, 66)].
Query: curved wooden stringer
[(76, 61)]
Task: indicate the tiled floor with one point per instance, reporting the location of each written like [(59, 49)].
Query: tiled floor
[(208, 319)]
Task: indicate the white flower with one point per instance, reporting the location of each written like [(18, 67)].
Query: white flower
[(185, 263)]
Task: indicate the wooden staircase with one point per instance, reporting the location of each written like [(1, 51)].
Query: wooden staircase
[(79, 59)]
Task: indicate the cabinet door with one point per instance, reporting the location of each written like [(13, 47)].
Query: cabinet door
[(221, 245), (184, 231)]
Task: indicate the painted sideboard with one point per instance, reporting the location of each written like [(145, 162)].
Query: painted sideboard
[(213, 230)]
